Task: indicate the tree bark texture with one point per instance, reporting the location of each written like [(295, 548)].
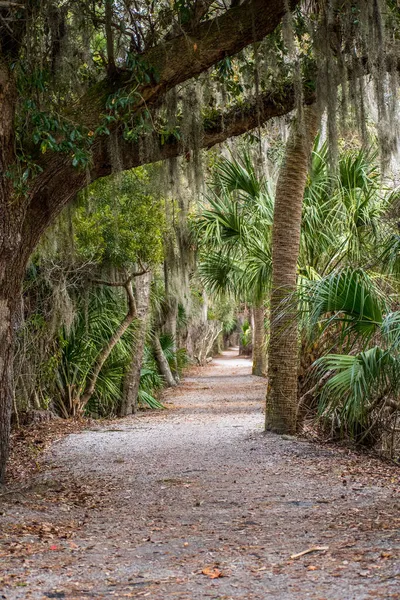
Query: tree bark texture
[(12, 267), (281, 406), (259, 342), (132, 376), (243, 316), (170, 328)]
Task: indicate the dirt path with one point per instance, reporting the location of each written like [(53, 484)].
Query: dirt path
[(140, 508)]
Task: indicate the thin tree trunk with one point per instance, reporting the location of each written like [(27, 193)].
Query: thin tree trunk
[(162, 362), (281, 405), (243, 316), (259, 347), (132, 376), (81, 401), (109, 36), (170, 328)]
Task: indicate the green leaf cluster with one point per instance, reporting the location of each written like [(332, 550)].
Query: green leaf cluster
[(120, 223)]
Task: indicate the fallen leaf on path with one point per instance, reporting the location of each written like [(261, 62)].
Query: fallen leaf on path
[(212, 572), (309, 550)]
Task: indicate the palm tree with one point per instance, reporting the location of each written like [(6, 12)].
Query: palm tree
[(342, 221), (281, 405), (234, 230), (321, 222)]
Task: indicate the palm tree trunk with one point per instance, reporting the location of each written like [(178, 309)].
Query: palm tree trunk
[(281, 405), (259, 349), (132, 376)]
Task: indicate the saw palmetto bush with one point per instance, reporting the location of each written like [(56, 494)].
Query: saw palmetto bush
[(343, 214), (176, 357), (361, 384), (349, 296), (151, 381), (99, 313)]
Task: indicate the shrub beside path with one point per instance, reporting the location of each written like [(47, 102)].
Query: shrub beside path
[(197, 502)]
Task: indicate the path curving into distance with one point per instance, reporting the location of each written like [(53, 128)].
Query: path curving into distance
[(197, 502)]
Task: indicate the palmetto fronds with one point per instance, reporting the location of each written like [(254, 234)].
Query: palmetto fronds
[(239, 176), (368, 378), (348, 296), (360, 382), (343, 213), (234, 230), (98, 316)]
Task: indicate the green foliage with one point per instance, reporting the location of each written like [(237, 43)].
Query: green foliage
[(117, 228), (358, 379), (368, 377), (343, 214), (98, 316), (119, 223), (177, 358), (245, 334), (63, 56), (151, 381), (234, 230), (351, 298)]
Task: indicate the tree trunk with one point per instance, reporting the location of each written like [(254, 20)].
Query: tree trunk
[(259, 348), (243, 316), (12, 266), (109, 37), (162, 362), (132, 376), (283, 346), (170, 328), (7, 311)]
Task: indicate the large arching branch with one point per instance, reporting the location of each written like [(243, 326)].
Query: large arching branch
[(62, 181), (175, 61), (184, 56)]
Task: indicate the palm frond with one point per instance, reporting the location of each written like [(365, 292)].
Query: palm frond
[(348, 296), (239, 175), (358, 380)]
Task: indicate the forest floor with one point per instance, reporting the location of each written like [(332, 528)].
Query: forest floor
[(197, 502)]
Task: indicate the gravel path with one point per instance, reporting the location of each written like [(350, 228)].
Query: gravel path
[(196, 502)]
